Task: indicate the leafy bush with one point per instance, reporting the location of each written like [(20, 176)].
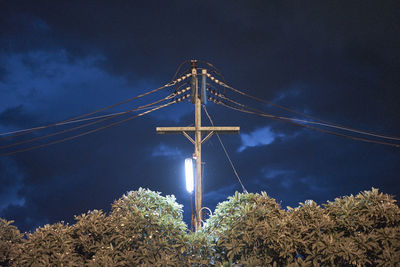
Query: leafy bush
[(146, 229), (246, 229), (10, 239), (50, 245), (252, 230), (370, 222), (90, 233)]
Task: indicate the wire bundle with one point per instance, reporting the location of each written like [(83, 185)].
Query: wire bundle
[(156, 105), (180, 95), (222, 100)]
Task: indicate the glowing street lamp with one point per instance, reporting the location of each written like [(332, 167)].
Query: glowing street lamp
[(189, 175)]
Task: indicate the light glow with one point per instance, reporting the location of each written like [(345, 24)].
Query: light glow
[(189, 175)]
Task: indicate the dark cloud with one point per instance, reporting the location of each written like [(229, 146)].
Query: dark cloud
[(338, 61), (15, 116)]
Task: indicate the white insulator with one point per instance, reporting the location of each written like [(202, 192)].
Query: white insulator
[(188, 75), (216, 81), (179, 79), (208, 75)]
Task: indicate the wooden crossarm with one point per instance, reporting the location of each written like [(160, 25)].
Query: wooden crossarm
[(204, 130)]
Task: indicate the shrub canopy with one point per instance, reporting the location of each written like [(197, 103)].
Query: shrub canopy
[(144, 228)]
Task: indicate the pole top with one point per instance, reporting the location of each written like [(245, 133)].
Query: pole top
[(193, 63)]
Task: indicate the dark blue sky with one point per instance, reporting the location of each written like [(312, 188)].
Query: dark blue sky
[(338, 61)]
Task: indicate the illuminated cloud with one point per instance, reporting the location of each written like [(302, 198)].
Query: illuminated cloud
[(166, 151), (259, 137)]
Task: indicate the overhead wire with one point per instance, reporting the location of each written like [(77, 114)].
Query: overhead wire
[(98, 110), (73, 121), (213, 69), (88, 132), (321, 122), (179, 68), (84, 125), (306, 126), (293, 119), (226, 152)]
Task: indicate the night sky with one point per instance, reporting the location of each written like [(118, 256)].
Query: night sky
[(335, 60)]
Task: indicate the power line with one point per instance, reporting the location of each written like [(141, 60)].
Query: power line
[(322, 122), (306, 126), (226, 152), (179, 68), (101, 109), (87, 119), (293, 119), (84, 125), (213, 69), (87, 132), (71, 122)]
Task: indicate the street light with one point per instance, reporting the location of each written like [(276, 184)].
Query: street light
[(189, 175)]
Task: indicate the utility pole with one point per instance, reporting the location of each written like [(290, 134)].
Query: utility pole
[(198, 131)]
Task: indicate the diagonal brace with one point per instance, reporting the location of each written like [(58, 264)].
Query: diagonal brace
[(188, 137), (207, 136)]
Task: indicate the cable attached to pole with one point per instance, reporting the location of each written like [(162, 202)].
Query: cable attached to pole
[(87, 132), (321, 122), (305, 126), (26, 131), (226, 152), (84, 125)]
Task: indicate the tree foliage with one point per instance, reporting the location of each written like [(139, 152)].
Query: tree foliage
[(144, 228), (361, 230), (10, 240)]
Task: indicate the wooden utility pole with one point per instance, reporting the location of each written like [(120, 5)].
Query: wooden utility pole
[(198, 131)]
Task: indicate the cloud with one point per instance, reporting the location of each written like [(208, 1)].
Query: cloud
[(166, 151), (219, 194), (273, 174), (259, 137), (15, 116), (11, 178)]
